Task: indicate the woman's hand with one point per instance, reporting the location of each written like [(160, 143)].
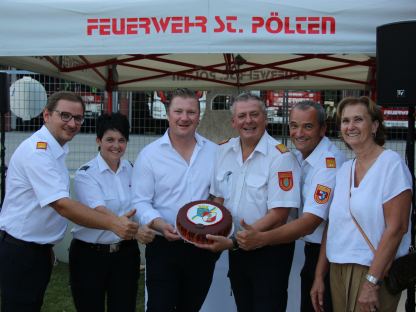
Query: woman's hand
[(317, 294), (368, 297)]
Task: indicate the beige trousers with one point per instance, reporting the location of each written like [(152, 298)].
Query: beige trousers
[(346, 281)]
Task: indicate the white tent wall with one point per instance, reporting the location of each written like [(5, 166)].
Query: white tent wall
[(161, 44)]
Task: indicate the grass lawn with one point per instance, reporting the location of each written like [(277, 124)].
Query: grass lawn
[(58, 295)]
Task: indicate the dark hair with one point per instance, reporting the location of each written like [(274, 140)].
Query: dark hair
[(184, 93), (63, 95), (114, 121), (305, 105), (247, 96), (373, 110)]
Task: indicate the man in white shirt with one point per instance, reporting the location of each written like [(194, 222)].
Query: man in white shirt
[(37, 203), (257, 179), (169, 173), (319, 160)]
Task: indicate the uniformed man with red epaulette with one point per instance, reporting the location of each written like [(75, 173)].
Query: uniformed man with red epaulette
[(37, 203), (319, 159), (257, 179)]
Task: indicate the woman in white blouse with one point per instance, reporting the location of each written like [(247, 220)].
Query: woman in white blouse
[(373, 192)]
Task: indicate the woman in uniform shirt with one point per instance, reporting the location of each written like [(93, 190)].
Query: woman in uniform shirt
[(372, 192), (104, 269)]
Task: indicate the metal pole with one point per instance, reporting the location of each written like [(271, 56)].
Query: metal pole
[(2, 154), (285, 117), (410, 154)]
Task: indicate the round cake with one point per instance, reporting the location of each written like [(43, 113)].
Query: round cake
[(198, 218)]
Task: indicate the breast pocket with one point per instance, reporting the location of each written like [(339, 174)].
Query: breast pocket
[(112, 202), (256, 189), (224, 180)]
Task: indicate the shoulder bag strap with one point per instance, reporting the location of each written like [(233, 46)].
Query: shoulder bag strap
[(353, 219)]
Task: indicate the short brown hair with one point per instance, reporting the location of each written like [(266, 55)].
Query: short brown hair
[(373, 110), (63, 95), (184, 93)]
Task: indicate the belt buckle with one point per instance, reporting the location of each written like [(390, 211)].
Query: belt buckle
[(114, 247)]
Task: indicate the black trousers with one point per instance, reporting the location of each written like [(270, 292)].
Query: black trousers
[(99, 278), (178, 275), (25, 270), (259, 278), (307, 276)]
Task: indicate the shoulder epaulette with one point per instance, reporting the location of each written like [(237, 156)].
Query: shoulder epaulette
[(282, 148), (41, 145), (85, 168), (330, 162), (224, 141)]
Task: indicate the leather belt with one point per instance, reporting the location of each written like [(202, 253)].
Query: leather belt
[(4, 236), (106, 248)]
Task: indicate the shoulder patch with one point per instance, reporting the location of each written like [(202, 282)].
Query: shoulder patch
[(330, 162), (285, 180), (282, 148), (224, 141), (85, 168), (42, 145), (322, 194)]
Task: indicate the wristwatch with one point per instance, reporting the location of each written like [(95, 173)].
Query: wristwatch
[(235, 243), (373, 280)]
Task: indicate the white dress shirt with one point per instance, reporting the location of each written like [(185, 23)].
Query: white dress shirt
[(95, 184), (163, 181), (252, 187), (36, 176), (318, 182)]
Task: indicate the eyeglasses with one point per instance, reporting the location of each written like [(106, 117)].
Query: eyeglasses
[(66, 117)]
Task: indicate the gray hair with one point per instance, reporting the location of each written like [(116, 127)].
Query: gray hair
[(246, 96), (305, 105)]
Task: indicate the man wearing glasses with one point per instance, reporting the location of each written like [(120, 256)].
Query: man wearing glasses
[(37, 202)]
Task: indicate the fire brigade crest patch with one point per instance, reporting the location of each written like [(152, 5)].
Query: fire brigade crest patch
[(285, 180), (322, 194)]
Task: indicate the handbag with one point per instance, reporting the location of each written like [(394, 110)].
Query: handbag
[(402, 273)]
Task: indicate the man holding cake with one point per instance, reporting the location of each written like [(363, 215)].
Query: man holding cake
[(319, 159), (169, 173), (257, 179)]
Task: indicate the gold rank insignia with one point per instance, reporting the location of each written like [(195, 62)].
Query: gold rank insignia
[(330, 162), (224, 141), (41, 145), (282, 148), (285, 180), (322, 194)]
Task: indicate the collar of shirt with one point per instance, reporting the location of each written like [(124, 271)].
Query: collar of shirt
[(56, 149), (165, 140), (261, 146), (316, 155), (103, 166)]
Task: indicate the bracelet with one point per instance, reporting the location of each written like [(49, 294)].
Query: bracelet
[(373, 280), (235, 244)]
